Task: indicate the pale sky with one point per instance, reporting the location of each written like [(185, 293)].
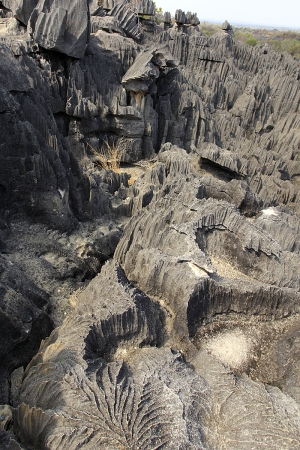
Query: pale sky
[(271, 13)]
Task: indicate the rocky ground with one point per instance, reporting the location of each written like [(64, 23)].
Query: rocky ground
[(155, 304)]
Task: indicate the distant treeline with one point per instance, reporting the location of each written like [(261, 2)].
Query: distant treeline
[(281, 41)]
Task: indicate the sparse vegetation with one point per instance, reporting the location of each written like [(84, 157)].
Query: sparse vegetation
[(281, 41), (108, 156), (159, 13), (246, 37), (209, 28), (291, 46)]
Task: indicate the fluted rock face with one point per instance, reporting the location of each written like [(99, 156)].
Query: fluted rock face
[(221, 92), (146, 69), (167, 18), (35, 151), (195, 236), (8, 442), (217, 271), (192, 19), (94, 376), (146, 7), (22, 9), (180, 17), (23, 323), (61, 26), (264, 413), (94, 8), (189, 337), (128, 20), (102, 377)]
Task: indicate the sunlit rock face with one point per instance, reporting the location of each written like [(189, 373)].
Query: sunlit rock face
[(152, 301)]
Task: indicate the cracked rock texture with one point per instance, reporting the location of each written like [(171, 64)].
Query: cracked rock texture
[(155, 305)]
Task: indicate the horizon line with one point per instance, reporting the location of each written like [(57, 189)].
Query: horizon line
[(251, 25)]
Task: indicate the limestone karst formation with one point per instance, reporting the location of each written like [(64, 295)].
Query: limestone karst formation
[(153, 305)]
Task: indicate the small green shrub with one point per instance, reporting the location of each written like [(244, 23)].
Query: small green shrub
[(251, 41), (275, 44)]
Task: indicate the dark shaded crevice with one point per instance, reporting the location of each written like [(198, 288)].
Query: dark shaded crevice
[(220, 172)]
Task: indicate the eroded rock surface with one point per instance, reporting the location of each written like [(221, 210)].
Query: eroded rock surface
[(189, 336)]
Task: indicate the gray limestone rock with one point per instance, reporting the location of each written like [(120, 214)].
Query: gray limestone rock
[(23, 321), (192, 18), (9, 442), (167, 17), (226, 26), (61, 26), (95, 8), (128, 20), (21, 9), (35, 151), (146, 69), (106, 23), (20, 134), (100, 371), (210, 255), (146, 7), (263, 415), (109, 4), (180, 17)]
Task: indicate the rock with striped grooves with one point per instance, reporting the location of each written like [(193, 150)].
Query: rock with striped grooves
[(62, 26), (97, 381)]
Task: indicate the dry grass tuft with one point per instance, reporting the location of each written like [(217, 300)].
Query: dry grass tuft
[(107, 157)]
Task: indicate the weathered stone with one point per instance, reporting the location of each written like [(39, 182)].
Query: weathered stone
[(167, 17), (61, 26), (9, 442), (264, 413), (5, 417), (138, 323), (180, 17), (21, 9), (23, 321), (214, 236), (106, 23), (146, 69), (109, 4), (128, 20), (192, 18), (226, 26), (95, 8), (146, 7)]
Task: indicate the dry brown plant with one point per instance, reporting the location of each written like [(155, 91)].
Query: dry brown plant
[(107, 157)]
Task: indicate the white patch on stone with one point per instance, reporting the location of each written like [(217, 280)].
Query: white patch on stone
[(270, 212), (61, 192), (234, 349)]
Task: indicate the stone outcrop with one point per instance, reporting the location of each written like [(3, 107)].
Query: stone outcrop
[(21, 9), (105, 366), (24, 323), (202, 231), (189, 336), (95, 9), (61, 26), (146, 7), (180, 17), (128, 20), (142, 75), (227, 27)]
